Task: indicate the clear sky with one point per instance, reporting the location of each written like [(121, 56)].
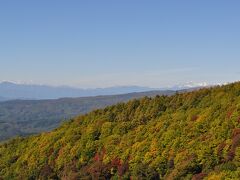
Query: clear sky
[(100, 43)]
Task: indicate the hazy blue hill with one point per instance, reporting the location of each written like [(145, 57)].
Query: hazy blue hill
[(9, 90), (3, 99), (23, 117)]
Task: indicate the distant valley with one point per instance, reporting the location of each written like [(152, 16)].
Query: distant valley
[(25, 117)]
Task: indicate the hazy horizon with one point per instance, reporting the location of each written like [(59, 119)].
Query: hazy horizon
[(187, 84)]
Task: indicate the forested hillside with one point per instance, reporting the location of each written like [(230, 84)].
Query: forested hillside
[(25, 117), (192, 135)]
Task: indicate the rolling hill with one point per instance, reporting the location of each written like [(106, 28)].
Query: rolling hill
[(25, 117), (193, 135)]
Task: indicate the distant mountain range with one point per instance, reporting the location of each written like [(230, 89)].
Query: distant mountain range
[(11, 91)]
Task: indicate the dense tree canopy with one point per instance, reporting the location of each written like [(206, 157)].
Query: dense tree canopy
[(192, 135)]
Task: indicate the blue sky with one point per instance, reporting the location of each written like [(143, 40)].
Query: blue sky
[(95, 43)]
